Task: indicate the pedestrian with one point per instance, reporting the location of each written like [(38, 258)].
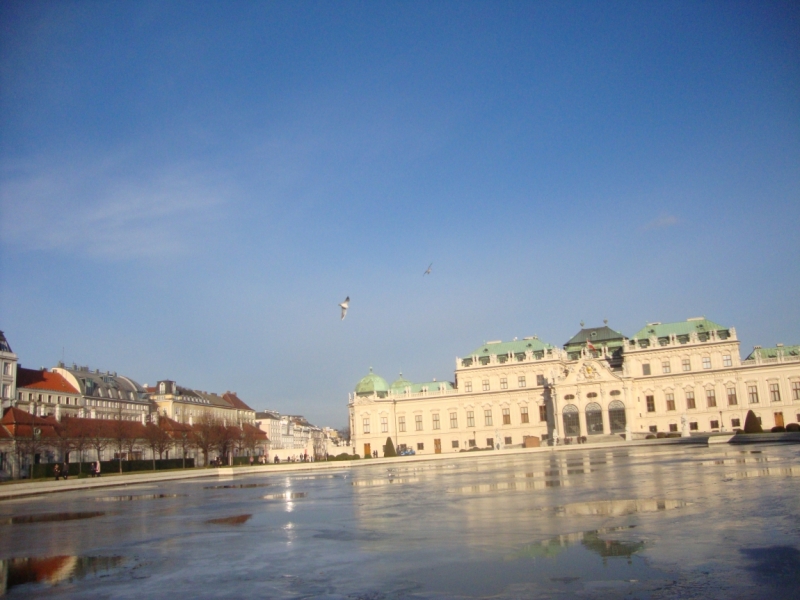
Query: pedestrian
[(57, 471), (97, 468), (251, 460), (65, 470)]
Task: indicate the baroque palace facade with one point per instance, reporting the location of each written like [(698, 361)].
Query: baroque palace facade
[(680, 378)]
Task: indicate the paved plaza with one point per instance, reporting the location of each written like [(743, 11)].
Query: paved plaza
[(659, 522)]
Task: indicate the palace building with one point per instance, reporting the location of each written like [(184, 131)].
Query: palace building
[(668, 378)]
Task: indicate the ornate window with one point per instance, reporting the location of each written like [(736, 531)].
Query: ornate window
[(732, 400), (470, 418), (521, 381), (418, 422), (506, 416), (453, 420), (366, 425), (711, 398), (774, 392), (752, 394), (503, 383), (594, 419), (487, 417), (572, 423), (670, 397), (436, 420), (485, 385), (686, 364), (690, 399), (523, 414), (384, 424), (651, 403)]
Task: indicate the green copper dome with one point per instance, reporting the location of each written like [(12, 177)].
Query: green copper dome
[(372, 384), (399, 386)]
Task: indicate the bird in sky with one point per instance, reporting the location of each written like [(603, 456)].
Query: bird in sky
[(345, 305), (428, 270)]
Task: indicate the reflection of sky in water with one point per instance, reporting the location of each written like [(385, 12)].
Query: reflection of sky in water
[(597, 523)]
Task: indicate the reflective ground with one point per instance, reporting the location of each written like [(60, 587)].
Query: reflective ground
[(677, 522)]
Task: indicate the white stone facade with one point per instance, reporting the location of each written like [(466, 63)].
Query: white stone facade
[(658, 385)]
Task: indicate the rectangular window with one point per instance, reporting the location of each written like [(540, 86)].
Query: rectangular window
[(6, 390), (774, 392), (485, 385), (646, 369), (540, 380), (706, 362), (455, 443), (752, 394), (503, 383), (653, 429), (651, 403), (401, 424), (6, 368), (736, 423), (384, 424), (543, 413), (471, 443), (666, 367), (453, 420), (366, 425), (670, 401), (726, 360), (732, 400), (420, 446), (523, 415), (507, 441), (711, 398), (490, 442), (796, 390), (506, 416), (714, 424), (673, 427), (418, 422), (467, 386), (470, 418), (521, 381), (693, 426), (436, 420), (686, 364), (487, 417)]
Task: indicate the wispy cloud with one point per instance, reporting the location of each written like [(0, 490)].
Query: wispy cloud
[(662, 222), (97, 212)]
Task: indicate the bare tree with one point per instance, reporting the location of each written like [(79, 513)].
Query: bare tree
[(98, 437), (227, 437), (121, 435), (158, 440), (78, 435), (204, 434)]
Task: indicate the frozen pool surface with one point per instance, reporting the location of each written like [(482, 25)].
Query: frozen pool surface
[(675, 522)]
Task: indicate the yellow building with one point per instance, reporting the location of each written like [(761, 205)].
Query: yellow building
[(677, 378)]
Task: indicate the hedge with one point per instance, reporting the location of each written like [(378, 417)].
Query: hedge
[(112, 466)]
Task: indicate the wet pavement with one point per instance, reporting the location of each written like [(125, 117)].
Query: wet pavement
[(665, 522)]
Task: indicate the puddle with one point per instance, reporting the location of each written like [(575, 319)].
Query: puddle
[(53, 569), (49, 517), (770, 472), (733, 461), (237, 520), (617, 508), (286, 496), (137, 497), (239, 486), (599, 541)]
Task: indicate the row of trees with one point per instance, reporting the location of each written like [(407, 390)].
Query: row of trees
[(77, 436)]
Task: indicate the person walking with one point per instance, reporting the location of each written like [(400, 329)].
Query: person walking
[(57, 471), (65, 471)]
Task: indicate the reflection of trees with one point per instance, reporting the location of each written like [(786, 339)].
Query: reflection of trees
[(591, 540), (52, 569)]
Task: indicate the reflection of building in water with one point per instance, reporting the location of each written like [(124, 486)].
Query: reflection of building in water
[(53, 569), (668, 378), (514, 500)]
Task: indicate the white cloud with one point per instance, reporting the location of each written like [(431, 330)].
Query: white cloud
[(661, 222), (97, 212)]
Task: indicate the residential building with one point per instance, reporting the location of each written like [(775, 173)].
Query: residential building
[(46, 393), (668, 378), (106, 395)]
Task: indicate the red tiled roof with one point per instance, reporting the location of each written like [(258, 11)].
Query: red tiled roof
[(172, 426), (234, 400), (20, 423), (43, 380), (255, 431), (105, 428)]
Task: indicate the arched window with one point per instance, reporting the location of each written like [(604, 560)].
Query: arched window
[(616, 417), (594, 419), (572, 423)]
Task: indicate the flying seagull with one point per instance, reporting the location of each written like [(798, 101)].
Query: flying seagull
[(344, 306), (428, 270)]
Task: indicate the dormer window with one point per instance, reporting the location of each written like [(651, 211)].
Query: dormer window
[(162, 388)]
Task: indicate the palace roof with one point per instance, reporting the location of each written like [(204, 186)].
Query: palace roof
[(773, 352), (698, 325), (532, 344)]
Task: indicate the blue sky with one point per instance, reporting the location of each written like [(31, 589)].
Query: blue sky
[(187, 190)]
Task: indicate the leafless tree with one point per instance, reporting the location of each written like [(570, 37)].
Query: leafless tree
[(79, 437), (98, 437), (204, 434), (158, 440)]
